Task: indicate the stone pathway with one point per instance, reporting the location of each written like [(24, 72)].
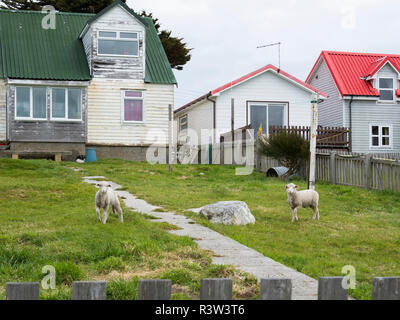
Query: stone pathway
[(227, 251)]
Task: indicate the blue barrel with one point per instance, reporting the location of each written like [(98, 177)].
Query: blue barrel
[(91, 155)]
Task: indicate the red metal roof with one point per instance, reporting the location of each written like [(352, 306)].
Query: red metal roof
[(255, 73), (352, 71)]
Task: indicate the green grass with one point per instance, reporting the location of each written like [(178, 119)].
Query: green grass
[(357, 227), (47, 217)]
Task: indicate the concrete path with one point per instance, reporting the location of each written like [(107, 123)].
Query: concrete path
[(227, 251)]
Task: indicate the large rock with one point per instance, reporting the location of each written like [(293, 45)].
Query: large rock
[(228, 213)]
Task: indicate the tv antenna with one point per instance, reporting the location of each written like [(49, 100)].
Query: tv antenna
[(279, 51)]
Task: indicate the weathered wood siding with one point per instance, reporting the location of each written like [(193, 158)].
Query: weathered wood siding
[(331, 113), (114, 67), (265, 87), (3, 111), (46, 131), (105, 123), (87, 45)]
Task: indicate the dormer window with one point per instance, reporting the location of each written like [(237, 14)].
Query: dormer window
[(118, 43), (386, 89)]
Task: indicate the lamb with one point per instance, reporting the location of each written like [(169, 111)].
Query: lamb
[(302, 199), (105, 198)]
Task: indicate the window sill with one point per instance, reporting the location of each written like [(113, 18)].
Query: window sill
[(65, 120), (116, 55), (30, 120), (133, 122)]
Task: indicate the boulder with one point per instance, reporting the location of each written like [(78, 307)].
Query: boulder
[(228, 213)]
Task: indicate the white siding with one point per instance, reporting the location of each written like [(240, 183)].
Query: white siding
[(112, 67), (365, 113), (265, 87), (331, 110), (3, 113), (199, 117), (105, 125)]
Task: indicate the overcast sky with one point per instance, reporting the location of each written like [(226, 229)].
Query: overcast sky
[(224, 35)]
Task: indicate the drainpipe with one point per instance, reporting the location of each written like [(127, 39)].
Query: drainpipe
[(351, 123), (214, 115)]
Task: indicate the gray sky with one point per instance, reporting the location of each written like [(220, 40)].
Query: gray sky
[(225, 34)]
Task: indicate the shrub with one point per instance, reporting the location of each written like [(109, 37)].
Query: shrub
[(67, 272), (291, 150)]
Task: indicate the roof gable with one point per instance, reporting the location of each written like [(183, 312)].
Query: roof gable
[(351, 71)]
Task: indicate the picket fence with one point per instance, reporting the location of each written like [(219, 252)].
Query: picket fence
[(329, 288)]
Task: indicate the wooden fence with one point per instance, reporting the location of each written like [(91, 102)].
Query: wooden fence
[(329, 288)]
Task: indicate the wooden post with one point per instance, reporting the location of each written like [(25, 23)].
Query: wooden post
[(313, 140), (386, 288), (331, 288), (154, 289), (89, 290), (332, 167), (170, 137), (22, 291), (14, 156), (233, 129), (216, 289), (222, 151), (275, 289), (367, 164), (57, 157)]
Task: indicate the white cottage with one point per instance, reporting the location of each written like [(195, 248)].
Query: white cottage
[(266, 97), (100, 81)]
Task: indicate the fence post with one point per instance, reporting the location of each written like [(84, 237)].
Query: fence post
[(367, 164), (216, 289), (89, 290), (275, 289), (154, 289), (222, 151), (332, 167), (386, 288), (331, 288), (22, 291)]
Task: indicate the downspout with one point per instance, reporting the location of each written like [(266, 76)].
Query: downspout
[(214, 115), (351, 123)]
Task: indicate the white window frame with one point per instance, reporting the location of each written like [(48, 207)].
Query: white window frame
[(380, 136), (132, 98), (118, 37), (65, 119), (267, 104), (387, 89), (30, 104), (180, 122)]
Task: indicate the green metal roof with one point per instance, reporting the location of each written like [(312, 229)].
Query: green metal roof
[(27, 51)]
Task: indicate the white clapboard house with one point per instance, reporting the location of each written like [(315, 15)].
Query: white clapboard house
[(94, 80), (263, 98)]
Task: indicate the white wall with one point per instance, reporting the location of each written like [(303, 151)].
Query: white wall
[(105, 125), (265, 87), (3, 113)]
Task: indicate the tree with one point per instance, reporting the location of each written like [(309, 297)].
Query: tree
[(290, 149), (176, 49)]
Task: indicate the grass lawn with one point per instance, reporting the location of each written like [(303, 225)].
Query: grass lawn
[(47, 217), (357, 227)]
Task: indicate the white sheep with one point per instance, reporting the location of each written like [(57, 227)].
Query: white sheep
[(302, 199), (105, 198)]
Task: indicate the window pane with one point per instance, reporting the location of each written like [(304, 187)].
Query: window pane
[(58, 103), (375, 141), (23, 102), (74, 104), (258, 117), (386, 83), (107, 34), (386, 95), (39, 103), (118, 47), (183, 123), (133, 110), (385, 131), (375, 130), (128, 35), (135, 94), (385, 141), (275, 115)]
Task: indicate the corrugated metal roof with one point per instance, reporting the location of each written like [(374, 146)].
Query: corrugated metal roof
[(27, 51), (351, 71), (30, 52)]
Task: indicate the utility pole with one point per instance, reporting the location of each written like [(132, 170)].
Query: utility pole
[(313, 140), (279, 50)]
